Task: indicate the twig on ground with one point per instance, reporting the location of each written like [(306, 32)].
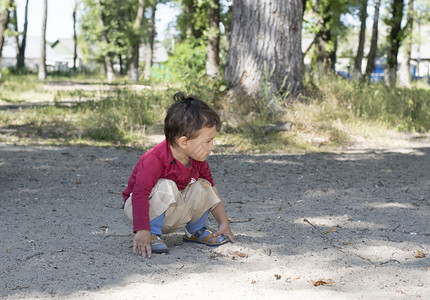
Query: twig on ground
[(395, 228), (31, 256), (340, 248), (117, 235), (388, 261)]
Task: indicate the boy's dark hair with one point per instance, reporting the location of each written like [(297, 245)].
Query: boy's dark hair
[(186, 116)]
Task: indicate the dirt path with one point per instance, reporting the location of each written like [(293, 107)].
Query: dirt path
[(64, 235)]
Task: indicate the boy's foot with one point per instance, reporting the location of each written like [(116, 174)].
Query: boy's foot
[(204, 236), (158, 245)]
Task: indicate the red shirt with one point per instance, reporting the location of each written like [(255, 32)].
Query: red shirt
[(155, 164)]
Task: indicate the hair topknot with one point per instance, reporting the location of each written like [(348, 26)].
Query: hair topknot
[(186, 116)]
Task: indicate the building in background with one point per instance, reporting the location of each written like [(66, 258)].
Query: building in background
[(59, 54)]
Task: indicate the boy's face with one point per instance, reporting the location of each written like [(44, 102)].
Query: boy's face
[(201, 146)]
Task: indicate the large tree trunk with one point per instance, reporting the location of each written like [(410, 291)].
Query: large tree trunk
[(265, 45), (360, 50), (150, 48), (370, 67), (394, 41), (110, 74), (212, 49), (75, 39), (133, 71), (42, 62), (4, 20), (405, 68)]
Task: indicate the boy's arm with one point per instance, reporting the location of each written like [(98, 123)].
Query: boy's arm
[(221, 216), (146, 178)]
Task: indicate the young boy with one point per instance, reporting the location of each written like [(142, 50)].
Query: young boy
[(171, 185)]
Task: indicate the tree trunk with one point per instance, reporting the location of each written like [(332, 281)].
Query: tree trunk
[(150, 48), (189, 10), (394, 40), (14, 20), (108, 57), (405, 69), (42, 62), (20, 59), (360, 50), (370, 67), (75, 39), (4, 21), (133, 71), (325, 40), (212, 48), (265, 47)]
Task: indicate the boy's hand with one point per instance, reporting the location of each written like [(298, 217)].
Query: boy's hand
[(142, 243), (224, 229)]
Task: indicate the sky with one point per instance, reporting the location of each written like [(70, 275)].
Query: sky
[(60, 20)]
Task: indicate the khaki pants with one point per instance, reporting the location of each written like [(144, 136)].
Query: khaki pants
[(181, 207)]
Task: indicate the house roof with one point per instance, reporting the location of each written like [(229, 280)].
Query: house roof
[(58, 50)]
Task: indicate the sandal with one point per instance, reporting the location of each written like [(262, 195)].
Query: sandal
[(158, 245), (204, 236)]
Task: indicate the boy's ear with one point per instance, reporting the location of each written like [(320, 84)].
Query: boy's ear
[(183, 142)]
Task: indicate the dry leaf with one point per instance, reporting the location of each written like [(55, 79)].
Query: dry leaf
[(238, 253), (277, 276), (321, 282), (331, 229), (280, 208), (426, 267), (419, 254), (298, 277), (253, 282)]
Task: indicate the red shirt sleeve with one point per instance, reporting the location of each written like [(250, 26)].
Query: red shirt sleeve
[(147, 172)]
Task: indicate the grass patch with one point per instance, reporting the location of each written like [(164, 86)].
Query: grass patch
[(334, 113)]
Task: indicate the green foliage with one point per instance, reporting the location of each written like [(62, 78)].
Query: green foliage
[(118, 116), (404, 109), (114, 116), (333, 111), (194, 16), (118, 19), (189, 60)]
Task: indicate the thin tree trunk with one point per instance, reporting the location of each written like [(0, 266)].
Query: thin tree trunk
[(150, 48), (107, 59), (14, 20), (75, 39), (405, 69), (212, 49), (133, 72), (265, 47), (20, 59), (42, 62), (4, 20), (394, 41), (360, 50), (370, 67), (190, 9)]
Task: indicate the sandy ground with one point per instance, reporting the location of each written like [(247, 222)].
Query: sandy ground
[(359, 220)]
